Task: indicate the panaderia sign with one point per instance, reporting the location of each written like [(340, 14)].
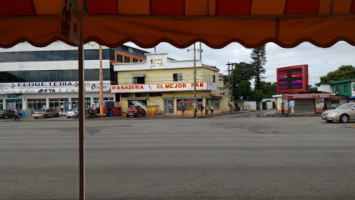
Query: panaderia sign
[(52, 87), (162, 87)]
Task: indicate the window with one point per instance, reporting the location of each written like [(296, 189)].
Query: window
[(177, 77), (135, 60), (188, 103), (337, 89), (1, 104), (92, 74), (119, 58), (214, 78), (31, 76), (89, 54), (48, 76), (141, 94), (64, 75), (75, 103), (51, 75), (346, 89), (156, 94), (215, 103), (126, 95), (139, 79), (127, 59)]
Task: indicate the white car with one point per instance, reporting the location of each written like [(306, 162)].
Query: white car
[(343, 113), (45, 113), (73, 113)]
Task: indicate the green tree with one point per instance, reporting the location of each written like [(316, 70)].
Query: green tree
[(256, 95), (268, 89), (242, 74), (342, 73), (259, 59)]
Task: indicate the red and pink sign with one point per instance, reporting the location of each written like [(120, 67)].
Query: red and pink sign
[(292, 79)]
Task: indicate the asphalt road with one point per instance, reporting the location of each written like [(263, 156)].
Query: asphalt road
[(240, 156)]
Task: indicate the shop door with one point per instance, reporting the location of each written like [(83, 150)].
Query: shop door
[(305, 106), (169, 106)]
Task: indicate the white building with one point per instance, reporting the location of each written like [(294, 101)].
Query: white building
[(33, 78)]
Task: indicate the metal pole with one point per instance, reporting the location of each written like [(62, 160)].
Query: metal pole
[(232, 77), (195, 101), (200, 52), (81, 121), (101, 85), (230, 94)]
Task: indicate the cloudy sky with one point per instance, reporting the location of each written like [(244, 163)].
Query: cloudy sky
[(319, 60)]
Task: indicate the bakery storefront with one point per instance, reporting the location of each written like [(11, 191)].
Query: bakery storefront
[(166, 98)]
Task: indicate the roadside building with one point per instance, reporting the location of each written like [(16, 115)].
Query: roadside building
[(162, 85), (293, 95), (344, 92), (304, 103), (33, 78), (344, 88)]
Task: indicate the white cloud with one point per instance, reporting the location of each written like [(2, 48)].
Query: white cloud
[(319, 60)]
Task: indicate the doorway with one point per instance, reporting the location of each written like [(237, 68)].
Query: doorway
[(169, 106)]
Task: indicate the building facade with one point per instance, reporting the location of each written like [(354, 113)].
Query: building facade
[(344, 88), (162, 85), (34, 78)]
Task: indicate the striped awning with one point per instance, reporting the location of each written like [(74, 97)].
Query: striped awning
[(181, 22)]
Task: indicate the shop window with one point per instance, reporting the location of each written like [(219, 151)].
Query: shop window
[(188, 103), (177, 77), (75, 103), (215, 103), (135, 60), (36, 104)]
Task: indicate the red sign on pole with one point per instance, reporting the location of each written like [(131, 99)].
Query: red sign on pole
[(71, 21)]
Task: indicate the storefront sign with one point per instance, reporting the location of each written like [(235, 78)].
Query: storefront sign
[(162, 87), (307, 96), (156, 63), (52, 87)]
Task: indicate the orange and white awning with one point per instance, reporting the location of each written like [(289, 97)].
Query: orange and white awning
[(182, 22)]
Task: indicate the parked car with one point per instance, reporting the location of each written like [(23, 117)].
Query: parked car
[(135, 111), (45, 113), (73, 113), (343, 113), (5, 114)]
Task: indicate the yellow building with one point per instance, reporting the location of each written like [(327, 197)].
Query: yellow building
[(162, 85)]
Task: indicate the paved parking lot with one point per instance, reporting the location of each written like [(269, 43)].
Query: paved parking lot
[(239, 156)]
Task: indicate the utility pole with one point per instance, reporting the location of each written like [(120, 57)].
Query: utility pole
[(195, 111), (201, 52), (195, 99), (101, 85), (230, 75)]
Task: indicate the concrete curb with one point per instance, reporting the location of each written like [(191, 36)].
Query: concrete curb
[(63, 118)]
